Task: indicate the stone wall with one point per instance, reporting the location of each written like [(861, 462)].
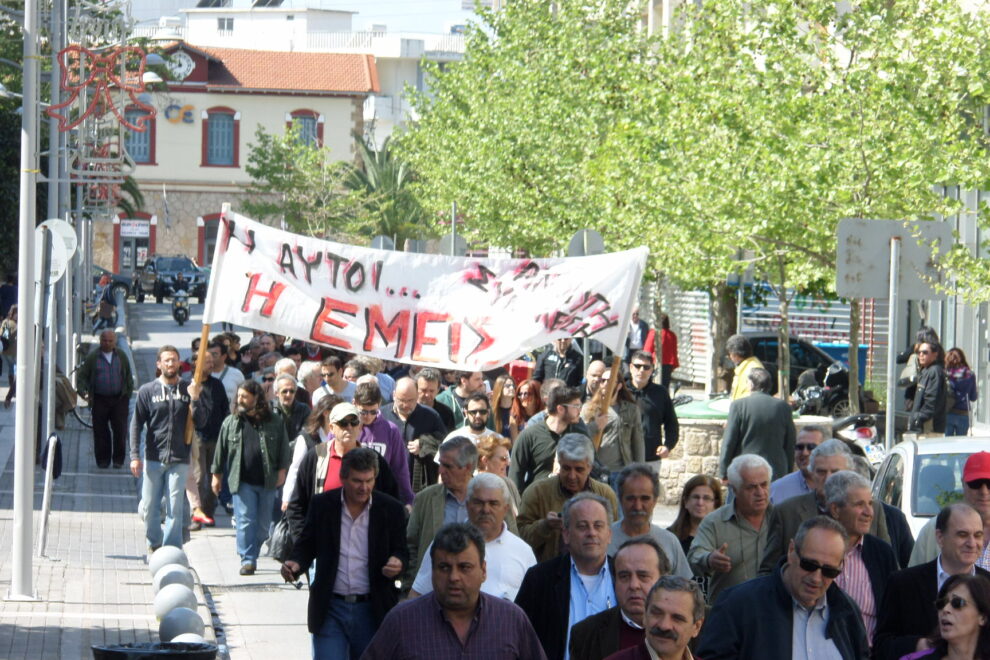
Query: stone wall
[(698, 451)]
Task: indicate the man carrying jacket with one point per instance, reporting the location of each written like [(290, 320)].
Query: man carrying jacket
[(162, 412)]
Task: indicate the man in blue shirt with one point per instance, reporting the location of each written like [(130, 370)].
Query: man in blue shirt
[(800, 481)]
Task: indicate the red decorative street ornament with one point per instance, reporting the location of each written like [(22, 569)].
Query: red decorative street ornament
[(95, 76)]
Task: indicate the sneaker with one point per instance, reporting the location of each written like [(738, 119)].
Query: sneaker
[(247, 569)]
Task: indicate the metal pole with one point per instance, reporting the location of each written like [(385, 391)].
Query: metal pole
[(453, 229), (21, 587), (46, 500), (892, 333), (50, 331)]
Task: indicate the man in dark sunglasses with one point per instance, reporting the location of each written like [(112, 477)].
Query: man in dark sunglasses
[(801, 481), (908, 612), (793, 610), (976, 493)]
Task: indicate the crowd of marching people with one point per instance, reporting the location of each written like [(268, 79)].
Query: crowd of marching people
[(440, 514)]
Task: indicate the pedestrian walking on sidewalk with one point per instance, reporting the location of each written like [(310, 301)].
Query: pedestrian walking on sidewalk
[(105, 380), (358, 537), (254, 448), (162, 411)]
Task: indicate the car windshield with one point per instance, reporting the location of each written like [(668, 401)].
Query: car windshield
[(937, 482), (176, 263)]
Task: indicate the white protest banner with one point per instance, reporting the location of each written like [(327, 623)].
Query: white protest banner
[(449, 312)]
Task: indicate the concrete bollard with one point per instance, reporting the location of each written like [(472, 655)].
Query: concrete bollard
[(173, 574), (179, 621), (167, 554), (172, 596), (189, 638)]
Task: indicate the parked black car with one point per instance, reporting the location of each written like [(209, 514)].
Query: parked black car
[(159, 273), (117, 281), (805, 356)]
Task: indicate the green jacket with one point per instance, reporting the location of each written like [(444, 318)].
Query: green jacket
[(275, 454), (88, 369)]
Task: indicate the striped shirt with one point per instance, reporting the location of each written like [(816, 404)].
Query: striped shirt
[(855, 581)]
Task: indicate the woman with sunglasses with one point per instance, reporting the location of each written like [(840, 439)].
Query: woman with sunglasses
[(963, 630), (528, 401), (928, 406), (507, 422)]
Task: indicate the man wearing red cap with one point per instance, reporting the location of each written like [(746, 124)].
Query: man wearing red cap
[(976, 493)]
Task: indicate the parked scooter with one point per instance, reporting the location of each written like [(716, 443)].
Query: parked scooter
[(180, 306), (861, 431)]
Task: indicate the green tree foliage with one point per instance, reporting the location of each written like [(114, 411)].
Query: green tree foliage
[(389, 208), (749, 126), (301, 184)]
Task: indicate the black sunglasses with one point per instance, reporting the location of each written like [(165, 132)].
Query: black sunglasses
[(641, 366), (345, 423), (269, 380), (474, 413), (804, 447), (810, 566), (957, 602), (977, 484)]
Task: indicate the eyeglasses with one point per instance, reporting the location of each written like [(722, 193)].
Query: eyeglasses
[(269, 380), (477, 413), (804, 447), (702, 498), (810, 566), (368, 413), (641, 366), (571, 405), (957, 602), (348, 423), (924, 351), (286, 391), (977, 484)]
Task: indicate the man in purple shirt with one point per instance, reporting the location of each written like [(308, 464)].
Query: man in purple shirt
[(384, 437), (800, 481), (456, 620)]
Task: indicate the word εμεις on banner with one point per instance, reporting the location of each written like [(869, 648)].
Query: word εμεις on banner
[(448, 312)]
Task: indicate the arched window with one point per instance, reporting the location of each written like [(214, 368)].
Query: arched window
[(221, 137), (310, 125)]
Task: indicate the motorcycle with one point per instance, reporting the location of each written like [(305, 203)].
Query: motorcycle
[(180, 306), (860, 433)]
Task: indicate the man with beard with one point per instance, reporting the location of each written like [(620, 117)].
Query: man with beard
[(507, 556), (255, 451), (161, 410), (477, 412), (456, 398), (675, 611)]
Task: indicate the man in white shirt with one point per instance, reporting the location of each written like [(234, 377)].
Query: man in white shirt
[(508, 557), (229, 376)]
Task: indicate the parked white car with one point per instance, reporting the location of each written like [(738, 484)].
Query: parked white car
[(920, 476)]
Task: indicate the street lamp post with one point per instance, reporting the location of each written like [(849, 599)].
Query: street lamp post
[(21, 587)]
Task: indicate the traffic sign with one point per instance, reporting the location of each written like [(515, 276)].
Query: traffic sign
[(586, 242), (59, 261), (65, 231)]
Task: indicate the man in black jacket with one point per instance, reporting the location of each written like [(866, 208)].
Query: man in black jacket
[(560, 592), (655, 406), (162, 411), (422, 431), (563, 362), (908, 613), (755, 619), (358, 538)]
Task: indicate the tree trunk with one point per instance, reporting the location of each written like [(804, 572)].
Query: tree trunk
[(854, 323), (783, 334), (657, 334), (723, 324)]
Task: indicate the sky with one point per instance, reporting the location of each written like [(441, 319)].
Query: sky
[(403, 15)]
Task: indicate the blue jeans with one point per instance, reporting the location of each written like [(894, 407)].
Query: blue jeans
[(956, 424), (253, 510), (346, 631), (169, 481)]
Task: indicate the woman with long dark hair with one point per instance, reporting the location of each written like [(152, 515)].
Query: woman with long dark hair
[(962, 386), (503, 398), (963, 630)]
